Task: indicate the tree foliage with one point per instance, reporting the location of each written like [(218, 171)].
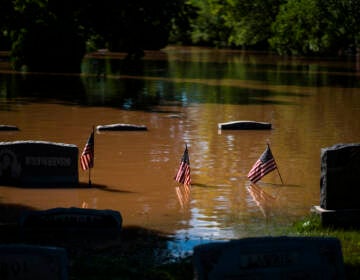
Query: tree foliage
[(51, 35), (299, 28), (47, 36), (316, 27), (250, 21), (303, 27), (233, 23)]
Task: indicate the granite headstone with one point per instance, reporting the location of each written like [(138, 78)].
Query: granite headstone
[(244, 125), (270, 258), (121, 127), (339, 184), (38, 164), (70, 223)]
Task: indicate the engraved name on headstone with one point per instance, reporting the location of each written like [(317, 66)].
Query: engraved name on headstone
[(38, 163), (28, 262), (270, 258)]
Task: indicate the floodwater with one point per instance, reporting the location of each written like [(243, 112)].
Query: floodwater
[(181, 94)]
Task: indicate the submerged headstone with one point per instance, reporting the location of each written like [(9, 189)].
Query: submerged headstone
[(121, 127), (339, 185), (29, 262), (270, 258), (38, 164), (5, 127), (73, 222), (244, 125)]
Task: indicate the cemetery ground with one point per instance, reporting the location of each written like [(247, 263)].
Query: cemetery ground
[(141, 253)]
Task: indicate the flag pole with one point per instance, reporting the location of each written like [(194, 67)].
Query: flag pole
[(277, 168), (89, 178), (93, 129)]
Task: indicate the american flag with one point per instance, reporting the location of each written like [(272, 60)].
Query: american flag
[(183, 174), (87, 156), (264, 165)]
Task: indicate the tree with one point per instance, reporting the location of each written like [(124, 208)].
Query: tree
[(132, 25), (343, 24), (233, 23), (47, 36), (320, 27), (208, 27), (250, 21), (51, 35)]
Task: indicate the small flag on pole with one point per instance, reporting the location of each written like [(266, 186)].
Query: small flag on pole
[(183, 174), (87, 156), (264, 165)]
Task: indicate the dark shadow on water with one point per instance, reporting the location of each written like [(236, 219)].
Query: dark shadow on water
[(262, 184), (10, 212), (81, 185), (104, 188), (205, 186)]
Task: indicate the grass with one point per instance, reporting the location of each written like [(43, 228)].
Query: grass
[(349, 239), (140, 254)]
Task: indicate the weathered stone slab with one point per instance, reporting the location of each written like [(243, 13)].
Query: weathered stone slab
[(244, 125), (26, 262), (38, 163), (339, 184), (121, 127), (270, 258), (4, 127), (71, 222)]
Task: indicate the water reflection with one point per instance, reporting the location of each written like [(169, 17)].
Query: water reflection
[(181, 95)]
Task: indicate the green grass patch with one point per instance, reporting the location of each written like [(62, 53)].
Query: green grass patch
[(349, 239)]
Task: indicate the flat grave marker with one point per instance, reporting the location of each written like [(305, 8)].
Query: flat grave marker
[(121, 127), (244, 125), (5, 127)]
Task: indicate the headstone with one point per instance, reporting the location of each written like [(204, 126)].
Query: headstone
[(270, 258), (244, 125), (121, 127), (339, 186), (69, 223), (5, 127), (38, 163), (28, 262)]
